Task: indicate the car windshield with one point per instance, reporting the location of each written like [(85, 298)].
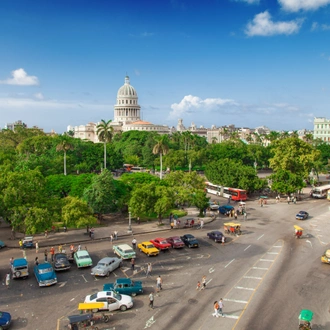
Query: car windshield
[(93, 296), (117, 296), (190, 238), (102, 264), (150, 246), (177, 240), (163, 242), (128, 251), (84, 257), (45, 270)]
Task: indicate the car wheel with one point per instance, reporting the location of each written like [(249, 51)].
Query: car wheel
[(18, 273), (123, 308), (133, 294), (107, 274), (106, 319)]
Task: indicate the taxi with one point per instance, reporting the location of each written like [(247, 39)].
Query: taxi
[(148, 248), (326, 257)]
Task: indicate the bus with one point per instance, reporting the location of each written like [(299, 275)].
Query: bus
[(234, 193), (321, 191)]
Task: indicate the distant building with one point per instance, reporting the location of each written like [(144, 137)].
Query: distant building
[(12, 126), (322, 129)]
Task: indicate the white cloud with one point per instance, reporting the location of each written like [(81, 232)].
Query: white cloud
[(190, 103), (296, 5), (262, 25), (20, 77), (39, 96), (316, 26), (250, 2)]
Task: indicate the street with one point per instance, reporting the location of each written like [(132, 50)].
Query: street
[(265, 277)]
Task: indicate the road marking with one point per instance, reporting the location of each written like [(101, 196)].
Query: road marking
[(61, 284), (84, 278), (278, 246), (242, 288), (253, 277), (115, 274), (308, 241), (247, 248), (266, 260), (211, 270), (229, 263), (150, 322), (207, 281), (260, 268), (272, 252), (237, 301), (260, 237), (231, 316), (201, 256)]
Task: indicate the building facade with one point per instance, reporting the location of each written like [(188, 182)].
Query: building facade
[(322, 129)]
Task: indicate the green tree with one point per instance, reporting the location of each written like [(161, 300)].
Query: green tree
[(105, 134), (161, 148), (64, 146), (286, 182)]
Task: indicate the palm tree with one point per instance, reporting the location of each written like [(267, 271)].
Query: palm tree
[(64, 146), (105, 134), (161, 148)]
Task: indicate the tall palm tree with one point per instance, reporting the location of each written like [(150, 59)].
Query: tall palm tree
[(64, 146), (105, 134), (161, 148)]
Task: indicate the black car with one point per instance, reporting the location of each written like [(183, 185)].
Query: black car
[(61, 262), (190, 240), (216, 236)]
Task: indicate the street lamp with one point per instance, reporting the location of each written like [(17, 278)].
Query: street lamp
[(129, 223)]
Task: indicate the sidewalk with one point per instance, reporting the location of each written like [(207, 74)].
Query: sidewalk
[(77, 236)]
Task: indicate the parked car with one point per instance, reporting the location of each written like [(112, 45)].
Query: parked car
[(28, 242), (325, 258), (5, 320), (148, 248), (216, 236), (2, 244), (302, 215), (176, 242), (124, 286), (45, 274), (82, 259), (224, 209), (61, 262), (213, 206), (111, 300), (160, 243), (20, 268), (105, 266), (124, 251), (190, 240)]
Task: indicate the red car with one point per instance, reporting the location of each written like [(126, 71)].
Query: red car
[(176, 242), (160, 243)]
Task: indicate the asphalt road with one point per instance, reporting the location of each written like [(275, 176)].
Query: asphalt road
[(265, 277)]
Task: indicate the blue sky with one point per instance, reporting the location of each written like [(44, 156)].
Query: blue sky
[(211, 62)]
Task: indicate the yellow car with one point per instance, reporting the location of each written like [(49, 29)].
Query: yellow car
[(148, 248), (326, 257)]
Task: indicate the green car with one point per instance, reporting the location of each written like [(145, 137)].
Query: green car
[(124, 286), (124, 251), (82, 259)]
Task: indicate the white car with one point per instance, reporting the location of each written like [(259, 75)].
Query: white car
[(105, 266), (213, 206), (111, 300)]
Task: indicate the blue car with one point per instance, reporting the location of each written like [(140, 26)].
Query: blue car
[(2, 244), (45, 274), (225, 208), (5, 320)]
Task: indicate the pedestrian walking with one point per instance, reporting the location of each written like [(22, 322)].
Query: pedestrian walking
[(52, 252), (202, 223), (149, 269), (172, 224), (79, 247), (36, 261), (245, 216), (133, 264), (134, 243), (216, 309), (220, 309), (159, 282), (37, 247), (198, 287), (111, 238), (60, 248), (288, 199), (115, 234), (203, 282), (151, 300), (138, 220), (65, 229), (223, 240), (11, 261), (46, 255), (20, 243), (7, 280)]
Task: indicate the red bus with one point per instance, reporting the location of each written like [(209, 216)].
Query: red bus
[(234, 193)]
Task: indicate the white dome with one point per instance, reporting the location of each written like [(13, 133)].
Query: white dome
[(127, 90)]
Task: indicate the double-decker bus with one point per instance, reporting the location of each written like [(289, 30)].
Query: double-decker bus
[(234, 193)]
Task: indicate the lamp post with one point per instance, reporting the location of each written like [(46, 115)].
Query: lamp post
[(129, 223)]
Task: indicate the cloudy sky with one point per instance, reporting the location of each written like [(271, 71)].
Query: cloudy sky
[(211, 62)]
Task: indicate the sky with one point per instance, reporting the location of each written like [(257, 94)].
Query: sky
[(213, 62)]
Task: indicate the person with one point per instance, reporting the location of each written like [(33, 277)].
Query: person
[(111, 238), (202, 223), (288, 199), (138, 220), (295, 200), (46, 255), (229, 199), (79, 247), (216, 309), (72, 250), (203, 282), (134, 243), (261, 202), (245, 216), (60, 248), (178, 223), (11, 261), (20, 244), (92, 234), (115, 234), (37, 247), (149, 269), (7, 280), (151, 300), (159, 282), (36, 261), (235, 215), (220, 307), (223, 240), (192, 223), (172, 224), (133, 264), (52, 253), (198, 287), (53, 229), (65, 229), (46, 233)]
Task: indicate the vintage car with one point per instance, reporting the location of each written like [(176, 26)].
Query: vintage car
[(82, 259), (190, 240), (61, 262), (124, 286), (2, 244), (5, 320), (213, 206), (105, 266), (176, 242), (160, 243), (45, 274), (216, 236), (111, 300), (148, 248), (326, 257), (224, 209), (28, 242), (124, 251), (302, 215), (20, 268)]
